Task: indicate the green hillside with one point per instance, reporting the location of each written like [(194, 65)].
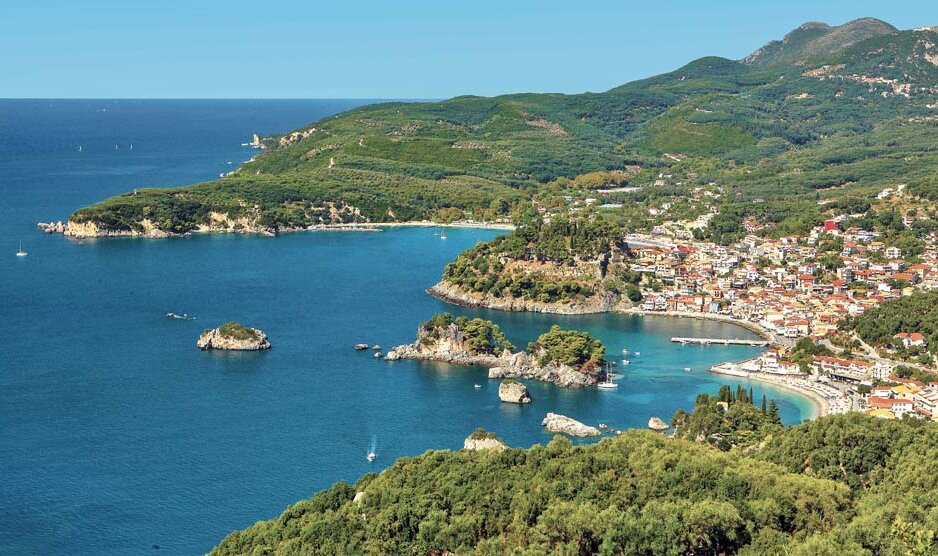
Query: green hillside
[(846, 485), (851, 108)]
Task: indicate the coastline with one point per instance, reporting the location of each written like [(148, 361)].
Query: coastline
[(753, 327), (90, 230), (820, 406)]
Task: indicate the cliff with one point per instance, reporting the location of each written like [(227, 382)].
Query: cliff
[(233, 336)]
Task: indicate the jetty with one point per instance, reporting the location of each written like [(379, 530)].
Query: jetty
[(720, 341)]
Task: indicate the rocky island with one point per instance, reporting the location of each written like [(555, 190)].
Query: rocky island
[(567, 358), (234, 336), (481, 439), (565, 425), (511, 391)]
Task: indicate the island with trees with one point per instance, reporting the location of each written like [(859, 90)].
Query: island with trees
[(566, 358)]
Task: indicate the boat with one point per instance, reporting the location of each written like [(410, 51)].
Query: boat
[(132, 148), (607, 383), (625, 361), (79, 148), (373, 449), (625, 351), (638, 353), (376, 347), (478, 386), (687, 369), (20, 252), (443, 234), (361, 347), (371, 456), (378, 355)]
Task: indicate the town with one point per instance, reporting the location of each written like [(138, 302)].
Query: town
[(794, 290)]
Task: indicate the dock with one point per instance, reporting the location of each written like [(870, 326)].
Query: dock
[(720, 341)]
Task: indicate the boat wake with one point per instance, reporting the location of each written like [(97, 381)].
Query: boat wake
[(184, 316)]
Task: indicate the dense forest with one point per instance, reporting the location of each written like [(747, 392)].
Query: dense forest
[(838, 112), (841, 485)]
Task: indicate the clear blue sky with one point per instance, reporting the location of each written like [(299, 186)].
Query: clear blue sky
[(385, 48)]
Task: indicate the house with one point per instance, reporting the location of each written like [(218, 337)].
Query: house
[(911, 339), (897, 407)]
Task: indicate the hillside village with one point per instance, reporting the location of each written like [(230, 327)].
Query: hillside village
[(797, 287)]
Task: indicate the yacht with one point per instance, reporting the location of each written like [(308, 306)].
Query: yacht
[(20, 252), (607, 383), (371, 456), (443, 234)]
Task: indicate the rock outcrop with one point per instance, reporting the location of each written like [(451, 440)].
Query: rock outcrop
[(565, 425), (233, 336), (483, 440), (52, 227), (657, 424), (526, 366), (510, 391), (446, 346)]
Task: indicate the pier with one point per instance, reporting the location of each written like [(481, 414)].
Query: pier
[(720, 341)]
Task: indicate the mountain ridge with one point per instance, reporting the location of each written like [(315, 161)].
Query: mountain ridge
[(816, 39)]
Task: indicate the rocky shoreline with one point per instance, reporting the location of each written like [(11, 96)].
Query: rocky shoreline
[(456, 296), (91, 229)]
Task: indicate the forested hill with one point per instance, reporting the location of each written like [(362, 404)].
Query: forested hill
[(841, 485), (852, 107)]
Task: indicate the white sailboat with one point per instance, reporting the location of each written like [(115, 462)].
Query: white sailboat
[(443, 234), (607, 383), (20, 252)]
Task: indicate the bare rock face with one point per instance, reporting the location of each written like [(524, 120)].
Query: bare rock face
[(657, 424), (447, 347), (565, 425), (525, 366), (233, 336), (510, 391), (52, 227), (483, 440)]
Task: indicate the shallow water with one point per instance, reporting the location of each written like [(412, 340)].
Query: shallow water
[(117, 434)]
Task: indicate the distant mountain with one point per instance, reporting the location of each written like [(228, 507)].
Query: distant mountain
[(828, 111), (815, 40)]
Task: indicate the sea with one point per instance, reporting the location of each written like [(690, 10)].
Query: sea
[(119, 437)]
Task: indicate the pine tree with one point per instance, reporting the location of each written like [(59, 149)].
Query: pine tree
[(751, 399), (773, 413), (763, 403), (726, 395)]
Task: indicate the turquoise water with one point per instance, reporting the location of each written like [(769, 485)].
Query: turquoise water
[(117, 435)]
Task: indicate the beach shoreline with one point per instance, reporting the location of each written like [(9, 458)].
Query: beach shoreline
[(820, 406)]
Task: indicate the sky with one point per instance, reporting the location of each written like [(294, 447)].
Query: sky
[(385, 48)]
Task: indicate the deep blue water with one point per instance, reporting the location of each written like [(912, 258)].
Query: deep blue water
[(117, 434)]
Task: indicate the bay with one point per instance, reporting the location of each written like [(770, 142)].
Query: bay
[(117, 435)]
